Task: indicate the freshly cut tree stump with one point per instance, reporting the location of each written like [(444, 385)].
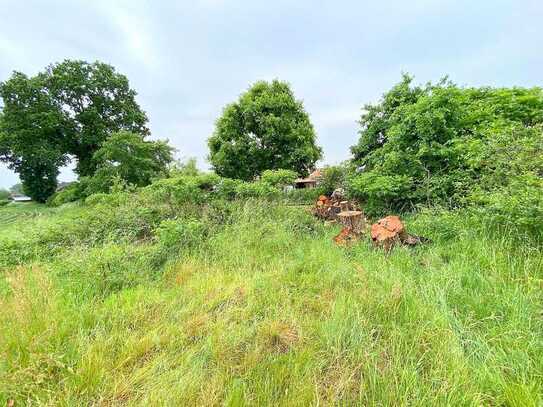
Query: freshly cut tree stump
[(354, 220)]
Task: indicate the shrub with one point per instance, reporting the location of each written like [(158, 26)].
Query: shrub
[(227, 188), (70, 193), (4, 202), (334, 177), (305, 195), (257, 189), (440, 144), (378, 193), (518, 205), (279, 178)]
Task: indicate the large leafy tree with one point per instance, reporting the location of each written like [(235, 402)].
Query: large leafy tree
[(32, 136), (267, 128), (70, 109), (97, 101)]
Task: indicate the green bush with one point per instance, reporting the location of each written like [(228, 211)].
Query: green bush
[(70, 193), (279, 178), (257, 189), (227, 188), (333, 177), (441, 144), (378, 193), (518, 205), (304, 195), (4, 202)]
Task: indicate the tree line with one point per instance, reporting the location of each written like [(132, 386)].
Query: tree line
[(432, 144), (88, 112)]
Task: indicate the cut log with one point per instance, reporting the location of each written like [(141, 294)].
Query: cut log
[(388, 231), (354, 220)]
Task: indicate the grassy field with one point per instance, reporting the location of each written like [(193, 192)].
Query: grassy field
[(252, 304), (21, 211)]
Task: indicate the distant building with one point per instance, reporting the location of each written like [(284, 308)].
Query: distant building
[(310, 182), (20, 198)]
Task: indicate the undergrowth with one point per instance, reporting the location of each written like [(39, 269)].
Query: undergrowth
[(123, 301)]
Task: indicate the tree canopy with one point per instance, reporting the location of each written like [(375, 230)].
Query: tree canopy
[(440, 143), (68, 110), (267, 128)]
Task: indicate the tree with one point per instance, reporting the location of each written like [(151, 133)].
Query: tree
[(97, 101), (31, 134), (267, 128), (436, 144), (131, 158), (377, 119), (4, 194), (70, 109)]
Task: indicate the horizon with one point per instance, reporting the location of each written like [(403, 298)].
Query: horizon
[(187, 62)]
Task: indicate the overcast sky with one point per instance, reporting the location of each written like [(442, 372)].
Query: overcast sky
[(187, 59)]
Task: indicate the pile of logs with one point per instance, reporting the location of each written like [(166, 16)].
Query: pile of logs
[(329, 208), (386, 233)]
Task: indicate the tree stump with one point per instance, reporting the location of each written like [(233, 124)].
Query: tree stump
[(354, 220), (387, 231)]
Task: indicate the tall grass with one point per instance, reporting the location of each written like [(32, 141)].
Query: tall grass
[(252, 304)]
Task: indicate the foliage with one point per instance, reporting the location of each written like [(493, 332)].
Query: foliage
[(379, 191), (187, 168), (96, 102), (442, 143), (180, 233), (70, 109), (4, 202), (306, 196), (257, 189), (132, 159), (123, 300), (71, 193), (31, 136), (4, 194), (518, 204), (333, 177), (125, 160), (267, 128), (278, 178)]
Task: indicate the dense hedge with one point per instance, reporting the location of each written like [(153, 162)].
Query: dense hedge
[(445, 145)]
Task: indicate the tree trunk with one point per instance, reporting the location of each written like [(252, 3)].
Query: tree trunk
[(354, 220)]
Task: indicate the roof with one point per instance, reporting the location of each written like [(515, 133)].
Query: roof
[(311, 178), (305, 181), (21, 198)]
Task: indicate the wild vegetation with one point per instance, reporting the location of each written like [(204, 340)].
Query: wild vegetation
[(267, 128), (445, 145), (178, 294), (149, 282), (69, 109)]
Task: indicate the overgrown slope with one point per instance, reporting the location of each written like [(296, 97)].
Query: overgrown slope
[(144, 302)]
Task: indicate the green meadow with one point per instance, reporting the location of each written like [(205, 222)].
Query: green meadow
[(128, 300)]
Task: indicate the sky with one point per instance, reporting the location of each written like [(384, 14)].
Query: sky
[(188, 59)]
